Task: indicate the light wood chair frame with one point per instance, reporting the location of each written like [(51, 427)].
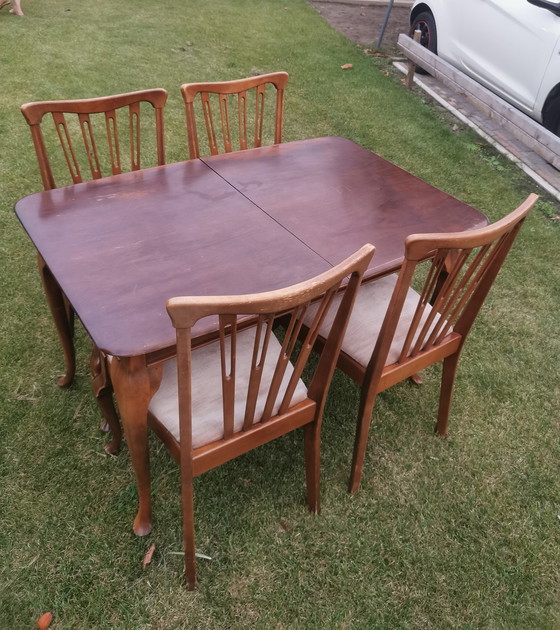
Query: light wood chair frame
[(455, 287), (84, 108), (291, 303), (224, 89), (61, 310)]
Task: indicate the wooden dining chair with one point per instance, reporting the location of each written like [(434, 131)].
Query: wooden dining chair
[(394, 331), (247, 98), (87, 132), (243, 390)]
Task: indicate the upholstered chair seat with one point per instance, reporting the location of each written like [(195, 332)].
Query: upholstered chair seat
[(367, 318), (207, 398)]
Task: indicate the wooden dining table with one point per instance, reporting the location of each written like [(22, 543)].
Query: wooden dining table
[(256, 220)]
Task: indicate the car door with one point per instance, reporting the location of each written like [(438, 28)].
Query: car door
[(505, 45)]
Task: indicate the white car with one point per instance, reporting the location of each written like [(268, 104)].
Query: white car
[(510, 46)]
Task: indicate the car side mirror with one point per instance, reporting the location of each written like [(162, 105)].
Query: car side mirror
[(553, 7)]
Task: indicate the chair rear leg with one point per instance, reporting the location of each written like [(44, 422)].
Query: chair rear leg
[(55, 300), (417, 378), (70, 315), (103, 392), (447, 381), (312, 437), (107, 407), (360, 444)]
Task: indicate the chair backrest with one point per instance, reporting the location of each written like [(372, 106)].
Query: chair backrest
[(461, 268), (216, 98), (77, 128), (262, 311)]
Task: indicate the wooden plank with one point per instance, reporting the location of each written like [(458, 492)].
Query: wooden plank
[(531, 133), (409, 81), (379, 3)]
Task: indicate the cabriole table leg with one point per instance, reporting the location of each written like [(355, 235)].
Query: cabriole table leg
[(134, 385)]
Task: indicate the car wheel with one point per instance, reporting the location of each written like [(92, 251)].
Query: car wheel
[(425, 23), (551, 114)]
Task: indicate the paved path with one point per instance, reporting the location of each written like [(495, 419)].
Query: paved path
[(533, 164)]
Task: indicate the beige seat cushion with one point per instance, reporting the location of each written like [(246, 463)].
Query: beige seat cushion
[(367, 317), (207, 422)]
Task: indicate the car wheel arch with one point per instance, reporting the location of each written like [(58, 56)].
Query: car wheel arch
[(419, 8)]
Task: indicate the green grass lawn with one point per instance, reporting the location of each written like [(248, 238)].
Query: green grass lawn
[(455, 533)]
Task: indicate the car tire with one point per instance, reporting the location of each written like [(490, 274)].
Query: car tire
[(426, 24), (551, 114)]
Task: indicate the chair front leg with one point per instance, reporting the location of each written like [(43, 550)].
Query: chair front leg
[(188, 530), (135, 384), (57, 305)]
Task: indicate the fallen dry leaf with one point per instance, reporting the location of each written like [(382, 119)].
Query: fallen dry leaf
[(346, 66), (44, 621), (148, 556), (375, 53)]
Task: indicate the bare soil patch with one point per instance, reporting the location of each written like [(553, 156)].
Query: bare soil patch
[(362, 23)]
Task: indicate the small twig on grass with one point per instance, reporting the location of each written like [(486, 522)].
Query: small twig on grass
[(78, 410), (17, 395), (202, 556)]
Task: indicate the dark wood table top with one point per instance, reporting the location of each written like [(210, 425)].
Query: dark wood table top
[(336, 195), (242, 222)]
